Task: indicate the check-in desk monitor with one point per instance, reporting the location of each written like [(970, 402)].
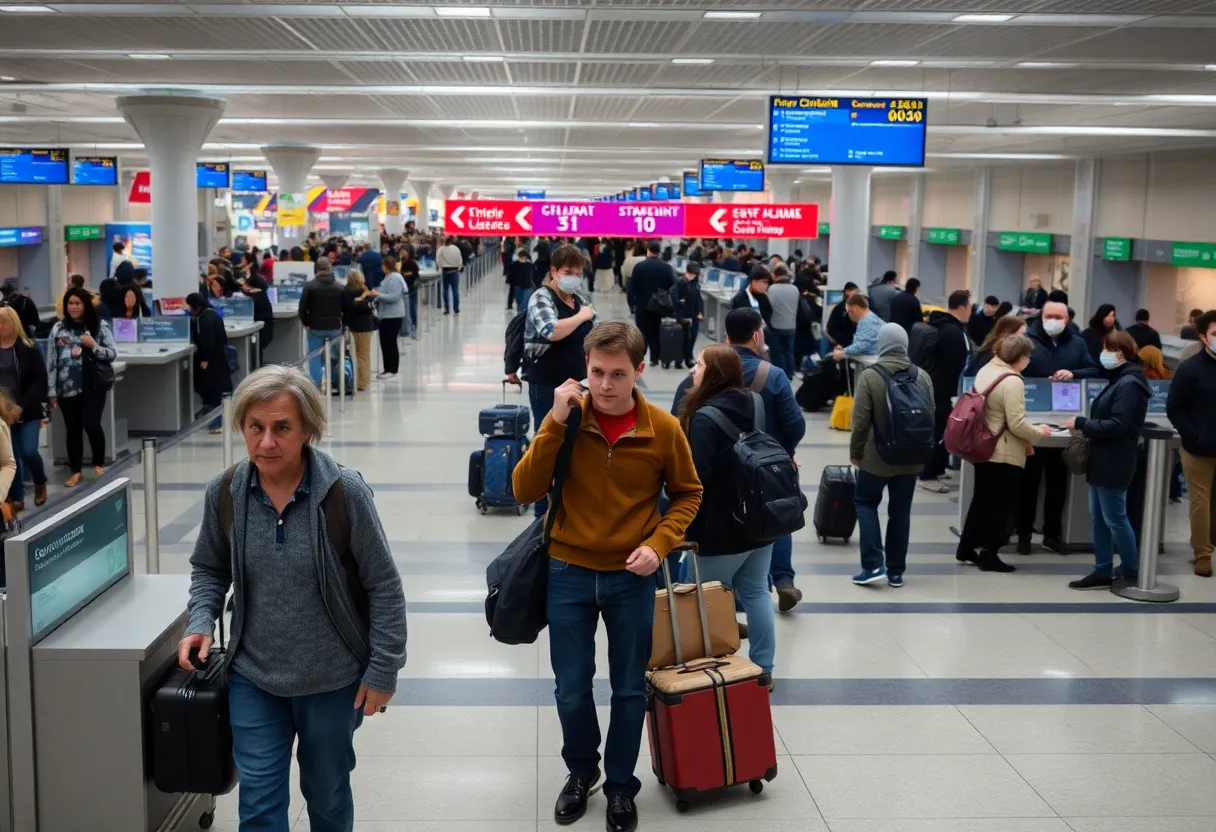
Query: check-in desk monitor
[(713, 277), (1045, 396), (289, 292), (163, 329), (126, 330), (237, 307)]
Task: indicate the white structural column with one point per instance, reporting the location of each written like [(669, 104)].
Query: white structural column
[(55, 236), (850, 243), (1084, 208), (393, 180), (781, 189), (916, 211), (981, 199), (207, 209), (122, 195), (173, 127), (292, 163), (335, 181), (425, 188)]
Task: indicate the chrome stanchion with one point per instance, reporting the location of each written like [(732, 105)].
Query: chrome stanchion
[(342, 373), (1156, 476), (226, 426), (151, 516), (326, 379)]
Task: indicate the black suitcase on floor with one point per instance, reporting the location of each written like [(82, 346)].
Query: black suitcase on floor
[(835, 513), (477, 473), (671, 343), (816, 389), (191, 733)]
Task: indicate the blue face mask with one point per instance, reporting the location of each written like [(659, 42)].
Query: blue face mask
[(1110, 360), (569, 285)]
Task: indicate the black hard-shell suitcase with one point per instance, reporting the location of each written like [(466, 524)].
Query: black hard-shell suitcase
[(477, 473), (671, 343), (191, 732), (835, 513), (815, 391)]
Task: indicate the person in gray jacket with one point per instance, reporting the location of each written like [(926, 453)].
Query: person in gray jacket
[(318, 610), (874, 474), (784, 297), (390, 303), (882, 293)]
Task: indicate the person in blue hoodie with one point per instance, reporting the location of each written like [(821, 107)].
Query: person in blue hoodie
[(688, 307)]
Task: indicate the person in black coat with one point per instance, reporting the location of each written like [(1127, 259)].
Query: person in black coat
[(1143, 334), (254, 287), (688, 307), (1035, 298), (755, 294), (1113, 429), (840, 326), (944, 350), (212, 378), (649, 277), (1103, 323), (905, 306), (520, 275), (983, 320), (1191, 408)]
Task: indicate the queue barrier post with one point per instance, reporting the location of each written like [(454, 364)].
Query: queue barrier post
[(1147, 588), (326, 379), (342, 373), (226, 427), (151, 514)]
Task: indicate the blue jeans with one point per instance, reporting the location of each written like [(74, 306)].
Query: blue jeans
[(782, 350), (577, 598), (540, 398), (782, 569), (868, 495), (747, 574), (316, 340), (521, 299), (263, 730), (451, 286), (25, 449), (1112, 529), (413, 313)]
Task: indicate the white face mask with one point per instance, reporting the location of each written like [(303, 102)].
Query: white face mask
[(1110, 360), (1053, 326), (569, 285)]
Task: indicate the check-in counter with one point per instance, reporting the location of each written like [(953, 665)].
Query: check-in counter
[(289, 341), (117, 439), (156, 394), (718, 289), (243, 336)]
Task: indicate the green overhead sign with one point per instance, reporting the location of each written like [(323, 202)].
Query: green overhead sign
[(890, 232), (74, 233), (825, 229), (1194, 255), (943, 236), (1117, 248), (1027, 242)]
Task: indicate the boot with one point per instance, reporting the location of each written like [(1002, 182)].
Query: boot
[(991, 562), (1203, 566), (39, 494)]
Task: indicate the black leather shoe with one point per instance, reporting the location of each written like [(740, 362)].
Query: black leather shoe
[(572, 801), (622, 814), (1056, 545)]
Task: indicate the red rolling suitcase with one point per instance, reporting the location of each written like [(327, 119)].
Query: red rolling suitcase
[(709, 721)]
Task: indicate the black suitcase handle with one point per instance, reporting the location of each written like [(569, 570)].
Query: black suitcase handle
[(196, 661)]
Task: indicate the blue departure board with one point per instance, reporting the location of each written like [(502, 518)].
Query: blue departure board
[(246, 180), (33, 166), (690, 184), (660, 191), (211, 175), (95, 170), (645, 194), (30, 236), (847, 131), (731, 175), (673, 190)]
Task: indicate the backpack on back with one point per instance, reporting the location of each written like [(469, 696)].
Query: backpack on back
[(967, 433), (767, 502), (905, 435)]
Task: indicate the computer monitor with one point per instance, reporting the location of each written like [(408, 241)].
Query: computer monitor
[(126, 330), (153, 330), (832, 297), (1046, 396), (966, 384), (713, 276), (1161, 392)]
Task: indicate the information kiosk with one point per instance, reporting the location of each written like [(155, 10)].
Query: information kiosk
[(87, 641)]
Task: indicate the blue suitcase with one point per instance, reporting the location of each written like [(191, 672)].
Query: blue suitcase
[(506, 421), (501, 457)]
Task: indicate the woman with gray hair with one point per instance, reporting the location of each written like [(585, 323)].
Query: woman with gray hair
[(318, 610)]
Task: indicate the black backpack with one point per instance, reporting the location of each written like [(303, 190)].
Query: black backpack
[(514, 356), (905, 435), (767, 502)]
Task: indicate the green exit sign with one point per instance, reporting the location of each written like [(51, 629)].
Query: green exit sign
[(890, 232), (943, 236), (1193, 255), (825, 229), (75, 233), (1117, 248), (1025, 241)]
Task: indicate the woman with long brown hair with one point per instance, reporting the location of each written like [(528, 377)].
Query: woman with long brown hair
[(717, 385), (1006, 326)]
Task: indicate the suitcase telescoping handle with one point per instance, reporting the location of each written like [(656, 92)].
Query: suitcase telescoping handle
[(504, 389), (691, 548), (195, 660)]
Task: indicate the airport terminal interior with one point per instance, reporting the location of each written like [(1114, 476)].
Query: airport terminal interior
[(1001, 142)]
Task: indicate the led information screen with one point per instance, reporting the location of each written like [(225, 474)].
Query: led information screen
[(75, 561), (164, 329), (95, 170), (731, 175), (247, 180), (20, 236), (33, 166), (211, 175), (847, 131)]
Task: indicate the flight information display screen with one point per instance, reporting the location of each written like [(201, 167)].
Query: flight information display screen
[(95, 170), (211, 175), (33, 166), (691, 185), (847, 131), (247, 180), (731, 175)]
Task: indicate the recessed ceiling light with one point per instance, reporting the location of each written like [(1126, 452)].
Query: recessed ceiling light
[(26, 9), (731, 15), (1045, 65), (7, 78), (1210, 67), (692, 61), (457, 11), (484, 59), (149, 56), (894, 62), (981, 18)]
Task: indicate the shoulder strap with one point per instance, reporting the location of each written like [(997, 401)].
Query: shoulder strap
[(759, 422), (226, 503), (719, 419), (760, 378), (337, 524), (999, 379), (561, 468)]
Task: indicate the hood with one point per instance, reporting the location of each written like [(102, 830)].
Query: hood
[(736, 404), (1131, 373), (939, 320)]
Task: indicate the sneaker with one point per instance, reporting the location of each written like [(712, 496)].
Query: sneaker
[(788, 597), (1094, 580), (933, 486), (622, 815), (1203, 566), (945, 477), (870, 576), (896, 581), (572, 800)]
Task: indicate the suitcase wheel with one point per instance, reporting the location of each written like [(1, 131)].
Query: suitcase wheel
[(756, 786), (205, 820), (822, 539), (519, 511), (666, 365), (682, 806), (484, 508)]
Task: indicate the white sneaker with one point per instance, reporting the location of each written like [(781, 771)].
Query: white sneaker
[(933, 486)]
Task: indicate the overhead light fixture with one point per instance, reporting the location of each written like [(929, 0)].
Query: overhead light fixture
[(692, 61), (1210, 67), (7, 78), (1045, 65), (460, 11), (149, 56), (484, 59), (894, 62), (731, 15), (981, 18), (26, 9)]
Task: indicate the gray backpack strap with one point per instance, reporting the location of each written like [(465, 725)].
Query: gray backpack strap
[(758, 419), (760, 378), (720, 419)]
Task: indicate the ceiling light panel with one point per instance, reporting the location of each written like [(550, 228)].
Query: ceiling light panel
[(476, 12), (132, 34), (731, 15), (541, 35), (981, 18), (645, 37), (692, 61)]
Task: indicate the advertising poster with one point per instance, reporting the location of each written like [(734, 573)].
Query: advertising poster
[(136, 238), (168, 306), (293, 210), (353, 200)]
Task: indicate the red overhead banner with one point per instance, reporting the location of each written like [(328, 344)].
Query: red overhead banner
[(141, 187), (506, 217)]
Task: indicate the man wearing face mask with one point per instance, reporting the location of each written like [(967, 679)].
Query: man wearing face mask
[(1059, 354), (1191, 408)]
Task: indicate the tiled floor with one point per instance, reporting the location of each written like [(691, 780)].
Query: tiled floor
[(965, 702)]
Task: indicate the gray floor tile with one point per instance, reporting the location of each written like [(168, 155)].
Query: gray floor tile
[(923, 729), (1161, 824), (1149, 785), (1195, 722), (951, 825), (449, 732), (1075, 729), (445, 789)]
